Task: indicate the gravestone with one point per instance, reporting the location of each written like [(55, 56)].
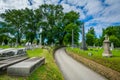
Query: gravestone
[(112, 46), (106, 46), (84, 47), (25, 68), (3, 43)]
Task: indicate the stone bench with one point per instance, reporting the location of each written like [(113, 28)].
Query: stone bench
[(26, 67)]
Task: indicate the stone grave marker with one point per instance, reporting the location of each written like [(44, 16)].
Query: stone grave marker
[(106, 46), (25, 68), (112, 46)]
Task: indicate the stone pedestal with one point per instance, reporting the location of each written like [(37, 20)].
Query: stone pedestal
[(106, 46)]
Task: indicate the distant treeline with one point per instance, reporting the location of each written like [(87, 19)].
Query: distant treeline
[(113, 32)]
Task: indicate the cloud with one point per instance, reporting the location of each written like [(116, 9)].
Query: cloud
[(13, 4), (97, 13), (93, 7)]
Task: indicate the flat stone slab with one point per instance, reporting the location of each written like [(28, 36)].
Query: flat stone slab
[(25, 68), (5, 63)]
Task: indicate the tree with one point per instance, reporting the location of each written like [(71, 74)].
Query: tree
[(114, 40), (51, 23), (91, 38), (114, 34), (15, 18), (68, 37), (51, 18), (31, 26), (5, 30), (70, 22)]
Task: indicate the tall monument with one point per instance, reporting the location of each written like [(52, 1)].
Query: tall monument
[(84, 47), (106, 46)]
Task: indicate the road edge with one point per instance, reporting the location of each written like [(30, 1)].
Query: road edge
[(105, 71)]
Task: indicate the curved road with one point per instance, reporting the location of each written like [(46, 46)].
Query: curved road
[(73, 70)]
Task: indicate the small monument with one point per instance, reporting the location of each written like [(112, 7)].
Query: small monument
[(112, 46), (106, 46)]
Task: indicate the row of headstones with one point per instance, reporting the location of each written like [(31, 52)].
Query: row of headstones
[(15, 44), (12, 52)]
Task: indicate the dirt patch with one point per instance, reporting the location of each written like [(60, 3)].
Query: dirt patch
[(105, 71)]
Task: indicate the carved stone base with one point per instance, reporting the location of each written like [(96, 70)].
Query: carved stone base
[(106, 55)]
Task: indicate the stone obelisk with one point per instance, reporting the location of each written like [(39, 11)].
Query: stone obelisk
[(84, 47)]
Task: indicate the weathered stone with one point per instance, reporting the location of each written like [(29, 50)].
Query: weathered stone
[(11, 52), (84, 47), (90, 54), (5, 63), (26, 67), (112, 46), (106, 46)]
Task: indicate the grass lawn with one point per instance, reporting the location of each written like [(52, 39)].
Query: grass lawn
[(3, 47), (113, 62), (48, 71)]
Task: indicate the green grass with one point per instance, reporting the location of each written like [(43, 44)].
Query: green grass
[(112, 62), (48, 71), (6, 46)]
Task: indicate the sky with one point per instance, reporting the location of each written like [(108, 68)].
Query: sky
[(94, 13)]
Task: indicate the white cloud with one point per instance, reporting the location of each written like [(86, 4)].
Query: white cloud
[(93, 7), (112, 2), (12, 4), (68, 8), (103, 15)]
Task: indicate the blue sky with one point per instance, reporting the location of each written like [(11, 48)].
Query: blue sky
[(95, 13)]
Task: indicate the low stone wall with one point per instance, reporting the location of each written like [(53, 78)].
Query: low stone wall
[(105, 71)]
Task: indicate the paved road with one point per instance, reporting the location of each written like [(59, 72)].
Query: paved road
[(73, 70)]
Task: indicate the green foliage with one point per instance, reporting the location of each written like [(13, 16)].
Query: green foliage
[(110, 31), (92, 31), (15, 18), (114, 34), (91, 37), (114, 40), (51, 18), (68, 37), (71, 23)]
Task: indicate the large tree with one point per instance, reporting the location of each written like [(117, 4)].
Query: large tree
[(56, 25), (114, 34), (5, 31), (91, 37), (15, 18), (71, 22)]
